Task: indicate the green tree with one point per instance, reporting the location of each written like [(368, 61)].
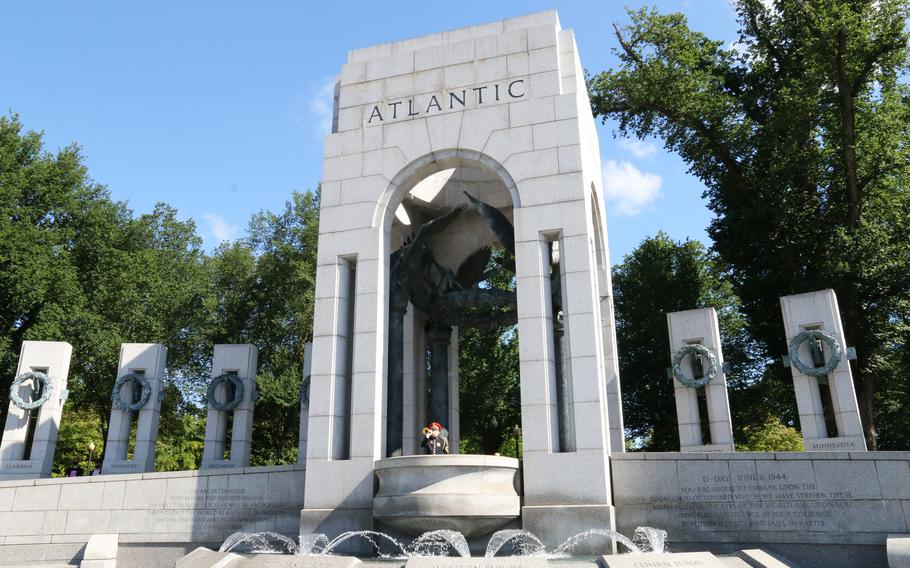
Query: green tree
[(145, 281), (43, 198), (181, 433), (662, 276), (264, 294), (78, 267), (770, 436), (489, 392), (78, 429), (893, 399), (800, 135), (489, 387)]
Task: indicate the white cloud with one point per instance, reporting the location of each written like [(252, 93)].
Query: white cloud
[(219, 228), (629, 189), (638, 147), (322, 102)]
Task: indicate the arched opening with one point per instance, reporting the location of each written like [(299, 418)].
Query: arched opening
[(452, 334)]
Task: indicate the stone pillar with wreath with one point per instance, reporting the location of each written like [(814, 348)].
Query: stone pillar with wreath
[(699, 380), (135, 405), (231, 395), (36, 404), (823, 382)]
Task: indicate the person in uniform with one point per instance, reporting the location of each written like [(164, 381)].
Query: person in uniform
[(434, 443)]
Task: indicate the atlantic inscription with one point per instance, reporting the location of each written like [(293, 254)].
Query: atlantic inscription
[(450, 100)]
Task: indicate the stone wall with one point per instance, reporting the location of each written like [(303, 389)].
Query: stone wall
[(823, 498), (42, 517)]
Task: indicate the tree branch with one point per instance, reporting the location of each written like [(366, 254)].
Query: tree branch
[(884, 47), (880, 172), (627, 47), (848, 129), (711, 137), (782, 62)]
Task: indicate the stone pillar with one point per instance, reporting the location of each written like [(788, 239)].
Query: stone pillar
[(148, 360), (348, 505), (438, 336), (395, 382), (611, 360), (305, 402), (414, 380), (53, 359), (700, 327), (421, 400), (240, 360), (819, 311), (454, 425), (563, 387)]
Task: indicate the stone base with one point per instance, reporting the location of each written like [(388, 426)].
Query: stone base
[(469, 527), (220, 464), (844, 444), (12, 470), (333, 522), (554, 524), (21, 476), (707, 448), (898, 549), (157, 555), (802, 555), (471, 494), (687, 559), (64, 553), (481, 562), (205, 558), (125, 466), (100, 551)]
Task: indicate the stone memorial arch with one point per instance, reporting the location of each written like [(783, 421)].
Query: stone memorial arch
[(438, 143)]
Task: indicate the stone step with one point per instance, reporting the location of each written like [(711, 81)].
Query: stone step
[(39, 565)]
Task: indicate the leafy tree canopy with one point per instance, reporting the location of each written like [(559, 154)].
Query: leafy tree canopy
[(800, 134), (662, 276), (489, 385), (265, 286), (76, 266)]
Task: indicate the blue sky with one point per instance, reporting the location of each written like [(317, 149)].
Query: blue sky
[(220, 108)]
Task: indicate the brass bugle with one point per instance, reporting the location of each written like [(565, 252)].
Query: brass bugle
[(426, 431)]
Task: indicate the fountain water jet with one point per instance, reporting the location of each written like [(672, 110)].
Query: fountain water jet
[(529, 545), (439, 540), (650, 539), (266, 542), (310, 542), (370, 536), (566, 547), (438, 543)]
